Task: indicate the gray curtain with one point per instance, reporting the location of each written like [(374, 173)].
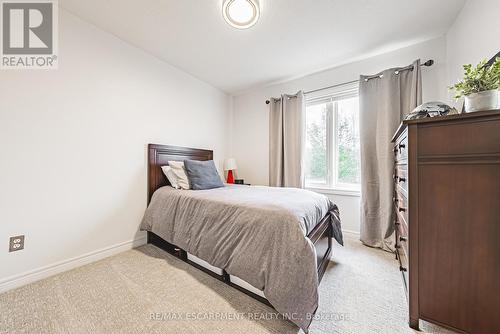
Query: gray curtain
[(384, 102), (286, 135)]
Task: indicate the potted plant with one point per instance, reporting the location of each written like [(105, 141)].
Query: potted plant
[(480, 86)]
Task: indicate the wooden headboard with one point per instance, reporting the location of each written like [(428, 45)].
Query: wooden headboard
[(159, 155)]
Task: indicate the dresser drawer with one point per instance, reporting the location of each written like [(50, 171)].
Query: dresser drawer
[(401, 148), (401, 177), (403, 267), (401, 206), (456, 139), (402, 235)]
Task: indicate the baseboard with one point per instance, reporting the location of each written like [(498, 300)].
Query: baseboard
[(350, 233), (31, 276)]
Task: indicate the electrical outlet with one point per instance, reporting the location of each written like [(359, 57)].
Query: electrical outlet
[(16, 243)]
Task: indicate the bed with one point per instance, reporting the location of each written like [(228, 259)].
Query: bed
[(219, 231)]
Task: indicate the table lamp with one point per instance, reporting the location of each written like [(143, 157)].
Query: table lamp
[(230, 165)]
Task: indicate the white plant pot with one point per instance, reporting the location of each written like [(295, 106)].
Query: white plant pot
[(487, 100)]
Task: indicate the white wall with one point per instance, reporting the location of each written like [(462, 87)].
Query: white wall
[(474, 36), (73, 144), (250, 140)]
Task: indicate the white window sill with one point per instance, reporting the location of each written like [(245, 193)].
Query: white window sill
[(339, 192)]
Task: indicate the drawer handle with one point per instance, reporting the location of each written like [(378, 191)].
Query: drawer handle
[(395, 200), (402, 209), (401, 179), (401, 268), (401, 146), (397, 223), (403, 239)]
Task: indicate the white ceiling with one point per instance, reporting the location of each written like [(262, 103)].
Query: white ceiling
[(292, 38)]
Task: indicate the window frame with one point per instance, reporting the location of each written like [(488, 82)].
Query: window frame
[(332, 185)]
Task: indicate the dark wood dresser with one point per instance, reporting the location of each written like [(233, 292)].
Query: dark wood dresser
[(447, 203)]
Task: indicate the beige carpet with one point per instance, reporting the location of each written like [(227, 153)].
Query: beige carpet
[(148, 291)]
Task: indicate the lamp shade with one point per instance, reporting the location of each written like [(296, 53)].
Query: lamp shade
[(230, 164)]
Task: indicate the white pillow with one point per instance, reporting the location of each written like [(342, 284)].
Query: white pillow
[(167, 170), (177, 167)]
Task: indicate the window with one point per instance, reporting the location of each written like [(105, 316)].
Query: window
[(332, 159)]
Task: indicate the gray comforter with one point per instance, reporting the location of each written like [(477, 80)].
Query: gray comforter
[(255, 233)]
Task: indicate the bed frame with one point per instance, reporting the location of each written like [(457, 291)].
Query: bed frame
[(159, 155)]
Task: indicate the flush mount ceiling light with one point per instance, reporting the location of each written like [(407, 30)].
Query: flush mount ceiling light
[(241, 14)]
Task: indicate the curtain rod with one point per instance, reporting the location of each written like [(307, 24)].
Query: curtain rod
[(430, 62)]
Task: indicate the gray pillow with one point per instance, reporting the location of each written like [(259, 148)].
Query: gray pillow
[(202, 174)]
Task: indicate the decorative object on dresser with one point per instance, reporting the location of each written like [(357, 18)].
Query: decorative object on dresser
[(431, 109), (480, 86), (229, 166), (447, 203)]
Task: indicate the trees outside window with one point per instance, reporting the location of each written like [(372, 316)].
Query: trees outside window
[(332, 152)]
